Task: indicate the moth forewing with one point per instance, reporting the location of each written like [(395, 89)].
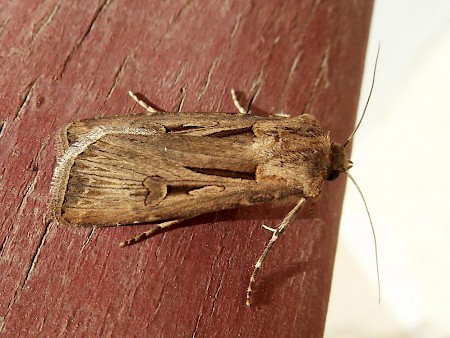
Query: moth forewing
[(182, 168)]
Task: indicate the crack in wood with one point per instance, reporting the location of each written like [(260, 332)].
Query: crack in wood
[(2, 128), (29, 190), (236, 25), (88, 238), (2, 28), (208, 78), (82, 38), (36, 254), (30, 269), (216, 295), (2, 245), (34, 165), (159, 302), (256, 84), (290, 74), (196, 324), (180, 11), (25, 98), (321, 73), (46, 23), (170, 26), (116, 78), (179, 73)]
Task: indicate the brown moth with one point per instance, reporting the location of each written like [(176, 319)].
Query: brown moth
[(167, 167)]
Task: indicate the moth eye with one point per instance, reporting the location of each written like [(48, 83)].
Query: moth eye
[(333, 175)]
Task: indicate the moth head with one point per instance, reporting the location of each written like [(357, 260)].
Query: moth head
[(339, 162)]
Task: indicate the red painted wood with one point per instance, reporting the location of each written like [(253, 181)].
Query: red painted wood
[(67, 60)]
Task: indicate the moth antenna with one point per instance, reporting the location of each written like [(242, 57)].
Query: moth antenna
[(373, 234), (367, 101), (276, 233)]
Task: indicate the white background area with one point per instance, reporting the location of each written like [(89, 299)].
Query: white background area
[(401, 157)]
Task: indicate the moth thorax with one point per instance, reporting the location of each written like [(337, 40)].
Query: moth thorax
[(339, 161)]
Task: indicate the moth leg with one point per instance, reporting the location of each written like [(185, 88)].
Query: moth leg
[(144, 105), (268, 228), (149, 233), (237, 103), (276, 233), (282, 115)]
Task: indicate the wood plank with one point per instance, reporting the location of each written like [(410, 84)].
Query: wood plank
[(62, 61)]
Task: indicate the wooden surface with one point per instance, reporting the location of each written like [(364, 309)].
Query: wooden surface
[(62, 61)]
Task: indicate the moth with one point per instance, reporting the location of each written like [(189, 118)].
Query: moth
[(167, 167)]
